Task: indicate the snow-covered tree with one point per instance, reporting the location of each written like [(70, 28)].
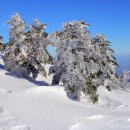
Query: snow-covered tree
[(26, 52), (104, 56), (125, 76), (83, 63), (74, 65), (2, 46), (37, 43), (12, 54), (40, 42)]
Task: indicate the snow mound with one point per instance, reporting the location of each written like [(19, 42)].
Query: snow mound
[(99, 122), (113, 99)]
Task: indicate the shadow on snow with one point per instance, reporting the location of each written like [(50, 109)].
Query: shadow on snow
[(38, 83), (2, 67)]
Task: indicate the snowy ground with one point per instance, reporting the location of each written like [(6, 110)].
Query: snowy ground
[(26, 105)]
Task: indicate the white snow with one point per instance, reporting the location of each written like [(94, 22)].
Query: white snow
[(26, 105)]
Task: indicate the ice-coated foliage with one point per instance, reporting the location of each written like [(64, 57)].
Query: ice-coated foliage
[(40, 42), (2, 46), (104, 56), (72, 31), (12, 53), (83, 63), (26, 50), (125, 75), (75, 65)]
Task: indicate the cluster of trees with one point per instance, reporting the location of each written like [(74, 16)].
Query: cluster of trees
[(26, 51), (83, 63)]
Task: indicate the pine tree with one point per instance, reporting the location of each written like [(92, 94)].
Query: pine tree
[(37, 43), (40, 42), (75, 66), (26, 51), (106, 62), (12, 54)]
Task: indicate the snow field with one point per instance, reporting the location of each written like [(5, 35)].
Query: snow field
[(26, 105)]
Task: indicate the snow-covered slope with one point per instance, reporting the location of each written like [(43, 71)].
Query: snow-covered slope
[(28, 105)]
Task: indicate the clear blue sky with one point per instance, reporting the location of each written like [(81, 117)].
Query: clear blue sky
[(111, 17)]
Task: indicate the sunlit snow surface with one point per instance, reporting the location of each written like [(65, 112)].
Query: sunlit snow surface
[(28, 105)]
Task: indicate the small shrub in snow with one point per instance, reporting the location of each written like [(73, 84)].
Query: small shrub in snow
[(125, 76)]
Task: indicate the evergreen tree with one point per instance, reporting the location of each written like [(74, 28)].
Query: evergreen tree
[(40, 42), (106, 61), (83, 63), (74, 65), (14, 52), (26, 51)]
